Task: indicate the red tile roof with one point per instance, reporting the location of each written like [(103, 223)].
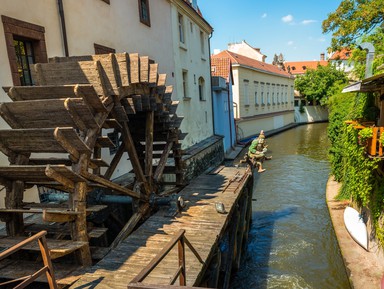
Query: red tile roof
[(300, 67), (252, 63), (344, 54), (221, 67)]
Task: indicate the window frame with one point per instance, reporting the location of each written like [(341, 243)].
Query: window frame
[(31, 32), (141, 15), (23, 60), (184, 75), (180, 20), (246, 92), (201, 84)]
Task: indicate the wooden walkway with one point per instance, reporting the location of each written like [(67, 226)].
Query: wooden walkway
[(203, 224)]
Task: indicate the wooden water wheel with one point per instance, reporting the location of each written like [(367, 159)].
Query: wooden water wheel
[(59, 131)]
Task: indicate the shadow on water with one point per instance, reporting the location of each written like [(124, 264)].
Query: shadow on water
[(292, 242)]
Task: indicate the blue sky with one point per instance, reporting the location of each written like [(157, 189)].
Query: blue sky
[(292, 27)]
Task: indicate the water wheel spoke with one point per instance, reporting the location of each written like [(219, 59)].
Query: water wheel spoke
[(149, 147)]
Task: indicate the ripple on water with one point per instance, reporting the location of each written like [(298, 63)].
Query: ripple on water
[(291, 240)]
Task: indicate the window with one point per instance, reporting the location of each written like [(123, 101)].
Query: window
[(256, 93), (144, 12), (25, 45), (246, 92), (202, 46), (268, 99), (100, 49), (201, 88), (24, 59), (262, 94), (181, 29), (185, 84), (273, 94)]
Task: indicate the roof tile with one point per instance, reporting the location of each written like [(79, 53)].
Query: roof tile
[(300, 67), (253, 63)]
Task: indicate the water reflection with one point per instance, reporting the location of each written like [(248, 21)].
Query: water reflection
[(292, 243)]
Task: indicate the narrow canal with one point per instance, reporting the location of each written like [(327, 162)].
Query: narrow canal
[(292, 242)]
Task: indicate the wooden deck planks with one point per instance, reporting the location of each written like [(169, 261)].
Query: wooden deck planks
[(199, 218)]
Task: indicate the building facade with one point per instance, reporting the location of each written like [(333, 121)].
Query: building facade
[(172, 33), (192, 70), (262, 93), (222, 97)]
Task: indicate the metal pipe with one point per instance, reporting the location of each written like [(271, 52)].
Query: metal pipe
[(370, 55), (104, 199), (63, 29), (230, 116)]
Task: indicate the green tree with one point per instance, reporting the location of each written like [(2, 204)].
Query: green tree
[(321, 83), (353, 19), (376, 38)]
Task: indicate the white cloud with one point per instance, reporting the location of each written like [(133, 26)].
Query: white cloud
[(287, 19), (309, 21), (321, 39), (264, 15), (290, 42)]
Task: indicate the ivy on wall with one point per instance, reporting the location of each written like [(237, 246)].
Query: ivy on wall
[(362, 177)]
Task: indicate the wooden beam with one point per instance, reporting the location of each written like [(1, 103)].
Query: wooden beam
[(90, 97), (148, 146), (65, 137), (52, 216), (77, 119), (52, 173), (110, 184), (129, 226), (115, 161), (163, 161)]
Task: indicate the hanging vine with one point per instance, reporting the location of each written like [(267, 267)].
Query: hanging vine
[(361, 177)]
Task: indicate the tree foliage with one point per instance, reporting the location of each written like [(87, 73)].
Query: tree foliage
[(321, 83), (358, 57), (351, 20)]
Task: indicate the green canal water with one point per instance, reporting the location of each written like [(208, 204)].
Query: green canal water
[(292, 242)]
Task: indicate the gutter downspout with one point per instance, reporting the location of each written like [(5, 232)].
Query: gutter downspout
[(235, 108), (63, 29), (229, 117), (370, 55), (210, 75)]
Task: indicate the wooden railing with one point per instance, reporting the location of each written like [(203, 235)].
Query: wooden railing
[(47, 269), (181, 240), (373, 146)]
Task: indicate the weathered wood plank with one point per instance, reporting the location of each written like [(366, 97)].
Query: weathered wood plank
[(36, 173), (203, 227), (110, 184), (20, 93)]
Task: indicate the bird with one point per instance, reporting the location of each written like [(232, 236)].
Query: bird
[(220, 208)]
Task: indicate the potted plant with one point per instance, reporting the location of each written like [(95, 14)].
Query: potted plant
[(364, 135)]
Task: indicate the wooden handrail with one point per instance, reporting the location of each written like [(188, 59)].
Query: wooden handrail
[(180, 239), (47, 269)]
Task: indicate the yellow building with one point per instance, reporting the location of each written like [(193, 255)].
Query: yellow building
[(262, 93)]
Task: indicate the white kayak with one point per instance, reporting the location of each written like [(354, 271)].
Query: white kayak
[(356, 227)]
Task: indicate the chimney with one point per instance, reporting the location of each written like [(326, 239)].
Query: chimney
[(322, 55)]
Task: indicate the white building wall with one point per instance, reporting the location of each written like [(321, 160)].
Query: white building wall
[(190, 59), (254, 116), (245, 49), (88, 22)]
